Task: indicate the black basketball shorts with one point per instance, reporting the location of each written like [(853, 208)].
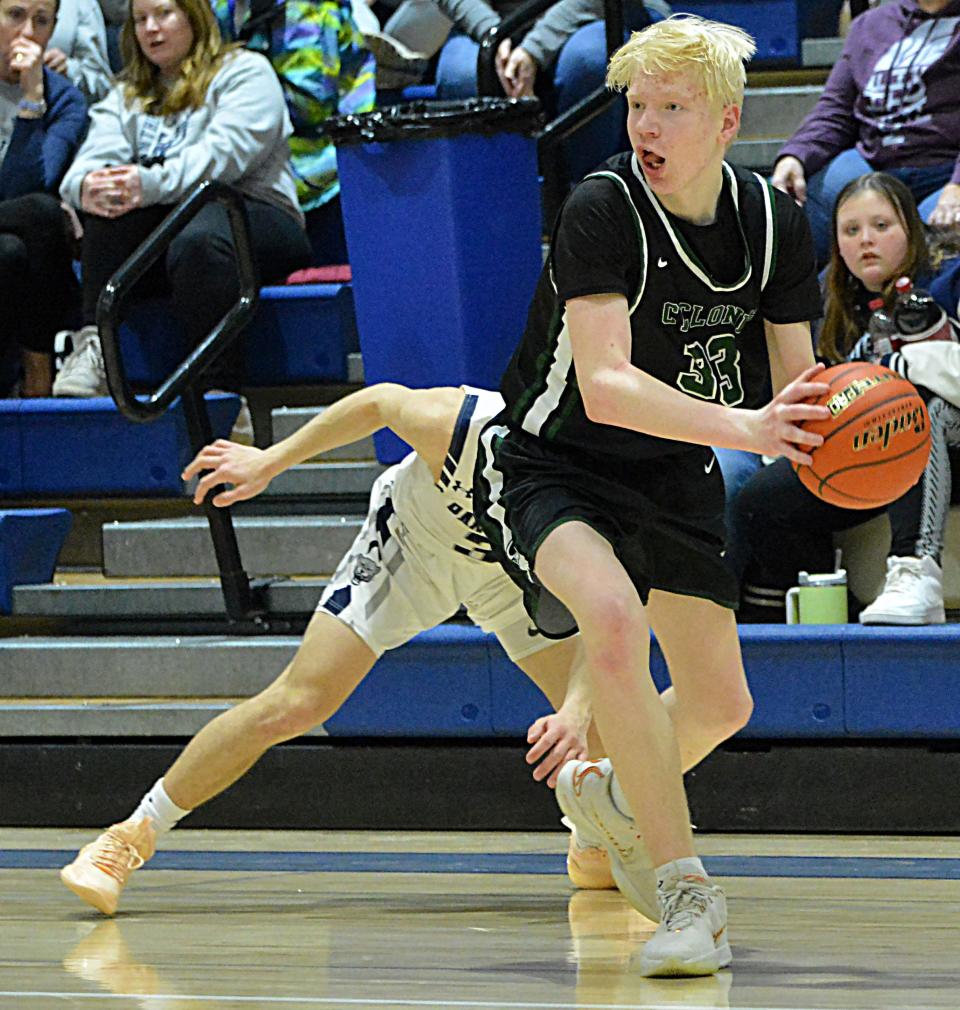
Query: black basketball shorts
[(663, 517)]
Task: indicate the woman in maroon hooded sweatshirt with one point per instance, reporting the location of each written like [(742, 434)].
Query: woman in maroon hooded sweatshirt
[(890, 104)]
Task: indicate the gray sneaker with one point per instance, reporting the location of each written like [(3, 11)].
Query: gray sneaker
[(692, 936), (583, 792), (397, 66), (82, 373)]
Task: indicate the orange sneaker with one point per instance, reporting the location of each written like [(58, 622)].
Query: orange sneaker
[(588, 867), (102, 868)]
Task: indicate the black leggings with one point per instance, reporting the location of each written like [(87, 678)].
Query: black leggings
[(38, 286), (198, 271), (786, 529)]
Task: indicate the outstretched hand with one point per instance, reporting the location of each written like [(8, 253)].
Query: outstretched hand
[(776, 427), (243, 466), (556, 740)]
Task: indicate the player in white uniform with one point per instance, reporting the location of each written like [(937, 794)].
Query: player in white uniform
[(417, 559)]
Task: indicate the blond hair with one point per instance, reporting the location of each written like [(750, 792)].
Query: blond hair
[(141, 79), (712, 53)]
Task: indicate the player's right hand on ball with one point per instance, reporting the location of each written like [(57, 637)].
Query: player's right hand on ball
[(777, 426), (228, 463)]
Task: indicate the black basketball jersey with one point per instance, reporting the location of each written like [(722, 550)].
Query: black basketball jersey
[(692, 332)]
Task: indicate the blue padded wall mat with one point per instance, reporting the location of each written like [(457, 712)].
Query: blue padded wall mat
[(30, 541), (11, 449), (436, 685), (808, 681), (903, 682)]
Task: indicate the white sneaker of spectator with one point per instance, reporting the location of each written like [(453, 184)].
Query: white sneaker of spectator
[(82, 373), (242, 430), (912, 594)]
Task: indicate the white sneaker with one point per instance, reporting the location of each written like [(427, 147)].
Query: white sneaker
[(912, 594), (82, 372), (583, 792), (692, 936), (242, 430)]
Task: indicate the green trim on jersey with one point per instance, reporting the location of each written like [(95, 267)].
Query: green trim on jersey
[(558, 346), (687, 254), (544, 360)]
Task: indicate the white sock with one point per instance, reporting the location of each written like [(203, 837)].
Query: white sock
[(158, 806), (616, 794), (689, 866)]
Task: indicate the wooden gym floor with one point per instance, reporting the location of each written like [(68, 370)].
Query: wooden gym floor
[(299, 920)]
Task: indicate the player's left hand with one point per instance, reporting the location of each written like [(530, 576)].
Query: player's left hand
[(946, 214), (228, 462), (556, 739)]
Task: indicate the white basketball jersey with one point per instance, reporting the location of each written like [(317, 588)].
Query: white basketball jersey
[(443, 510)]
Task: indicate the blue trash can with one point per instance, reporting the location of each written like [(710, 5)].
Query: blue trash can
[(441, 208)]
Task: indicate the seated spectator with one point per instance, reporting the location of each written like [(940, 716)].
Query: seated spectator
[(78, 49), (42, 121), (325, 70), (878, 237), (186, 108), (562, 58), (890, 104)]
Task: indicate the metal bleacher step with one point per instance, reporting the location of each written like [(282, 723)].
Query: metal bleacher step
[(770, 115), (756, 154), (108, 600), (156, 667), (111, 717), (269, 545), (287, 420), (776, 111), (150, 686), (327, 479), (820, 52)]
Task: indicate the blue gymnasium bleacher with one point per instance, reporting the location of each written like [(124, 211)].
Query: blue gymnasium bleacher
[(55, 448), (301, 334)]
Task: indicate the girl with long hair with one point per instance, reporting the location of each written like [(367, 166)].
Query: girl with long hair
[(877, 237), (186, 108)]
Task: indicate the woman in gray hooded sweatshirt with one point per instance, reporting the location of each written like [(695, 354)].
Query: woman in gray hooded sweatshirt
[(187, 108)]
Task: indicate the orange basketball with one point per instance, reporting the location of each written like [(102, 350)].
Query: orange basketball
[(876, 441)]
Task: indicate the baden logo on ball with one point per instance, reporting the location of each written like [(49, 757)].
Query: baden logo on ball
[(876, 440)]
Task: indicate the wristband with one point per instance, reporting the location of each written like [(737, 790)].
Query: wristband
[(35, 109)]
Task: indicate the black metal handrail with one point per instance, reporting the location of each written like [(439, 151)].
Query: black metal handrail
[(184, 381), (120, 285), (574, 118)]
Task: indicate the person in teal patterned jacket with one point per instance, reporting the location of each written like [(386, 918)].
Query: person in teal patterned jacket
[(319, 55)]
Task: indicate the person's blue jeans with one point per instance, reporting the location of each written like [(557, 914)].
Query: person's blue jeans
[(737, 467), (580, 69), (925, 183)]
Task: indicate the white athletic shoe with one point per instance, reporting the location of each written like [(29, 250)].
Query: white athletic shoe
[(583, 792), (692, 936), (912, 594), (82, 373)]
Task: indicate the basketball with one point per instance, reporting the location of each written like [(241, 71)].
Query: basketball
[(876, 441)]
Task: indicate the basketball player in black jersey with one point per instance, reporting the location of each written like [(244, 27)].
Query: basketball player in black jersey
[(677, 290)]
